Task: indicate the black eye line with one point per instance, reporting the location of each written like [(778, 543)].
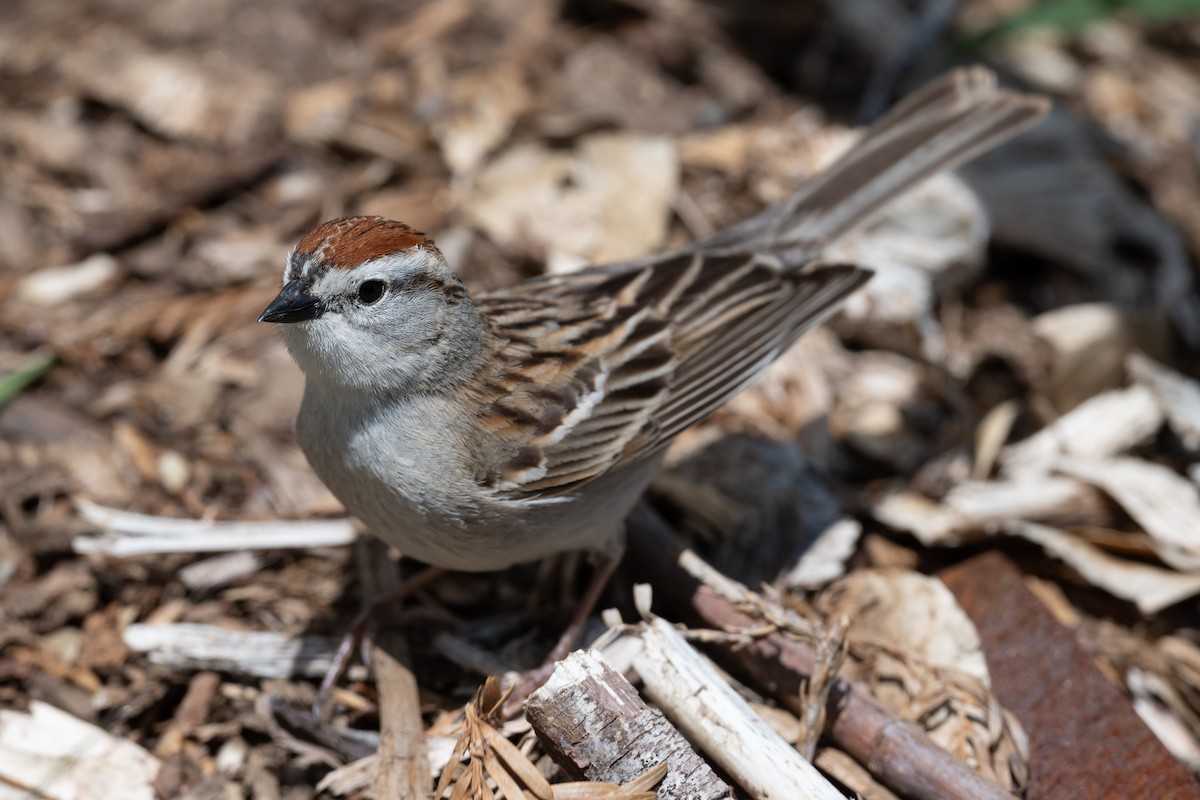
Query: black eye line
[(409, 282)]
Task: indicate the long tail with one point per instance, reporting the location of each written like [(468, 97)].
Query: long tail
[(946, 123)]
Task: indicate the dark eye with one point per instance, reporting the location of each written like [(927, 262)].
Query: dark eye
[(370, 291)]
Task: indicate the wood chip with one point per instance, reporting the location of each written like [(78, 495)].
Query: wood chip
[(565, 206), (973, 508), (1163, 502), (1150, 588), (51, 286), (1178, 394), (48, 754), (172, 94), (825, 559), (220, 570), (1089, 343), (1107, 424)]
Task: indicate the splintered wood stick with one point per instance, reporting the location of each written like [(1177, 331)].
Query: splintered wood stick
[(402, 761), (188, 646), (128, 534), (898, 753), (595, 726), (696, 698)]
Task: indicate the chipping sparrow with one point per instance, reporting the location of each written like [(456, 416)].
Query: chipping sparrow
[(477, 432)]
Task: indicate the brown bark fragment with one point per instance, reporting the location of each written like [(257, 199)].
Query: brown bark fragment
[(596, 727)]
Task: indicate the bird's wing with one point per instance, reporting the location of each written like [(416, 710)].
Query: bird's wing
[(603, 370)]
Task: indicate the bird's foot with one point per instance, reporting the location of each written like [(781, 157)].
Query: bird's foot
[(358, 637)]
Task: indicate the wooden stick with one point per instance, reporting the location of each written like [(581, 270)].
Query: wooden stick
[(403, 764), (127, 533), (694, 696), (900, 754), (402, 761), (593, 724), (188, 646)]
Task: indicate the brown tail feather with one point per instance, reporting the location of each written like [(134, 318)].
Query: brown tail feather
[(943, 125)]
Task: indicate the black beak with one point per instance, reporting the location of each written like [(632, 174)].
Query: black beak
[(293, 304)]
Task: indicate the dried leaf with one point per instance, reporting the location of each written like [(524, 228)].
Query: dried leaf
[(909, 611), (520, 765), (504, 781)]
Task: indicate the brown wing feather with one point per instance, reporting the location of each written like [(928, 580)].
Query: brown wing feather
[(587, 392)]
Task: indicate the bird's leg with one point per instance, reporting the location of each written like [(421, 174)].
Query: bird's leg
[(529, 681), (360, 629)]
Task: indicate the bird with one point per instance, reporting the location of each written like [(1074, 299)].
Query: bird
[(473, 431)]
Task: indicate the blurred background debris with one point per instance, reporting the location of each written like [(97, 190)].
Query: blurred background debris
[(1021, 376)]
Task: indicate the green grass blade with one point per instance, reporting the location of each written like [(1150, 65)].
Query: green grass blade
[(37, 365)]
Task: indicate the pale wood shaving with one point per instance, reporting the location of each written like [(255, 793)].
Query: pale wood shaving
[(49, 754), (1107, 424), (1178, 394), (1163, 502), (1150, 588)]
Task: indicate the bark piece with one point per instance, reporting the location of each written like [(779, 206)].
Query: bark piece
[(596, 727)]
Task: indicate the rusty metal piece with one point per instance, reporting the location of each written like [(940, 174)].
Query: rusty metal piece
[(1085, 739)]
